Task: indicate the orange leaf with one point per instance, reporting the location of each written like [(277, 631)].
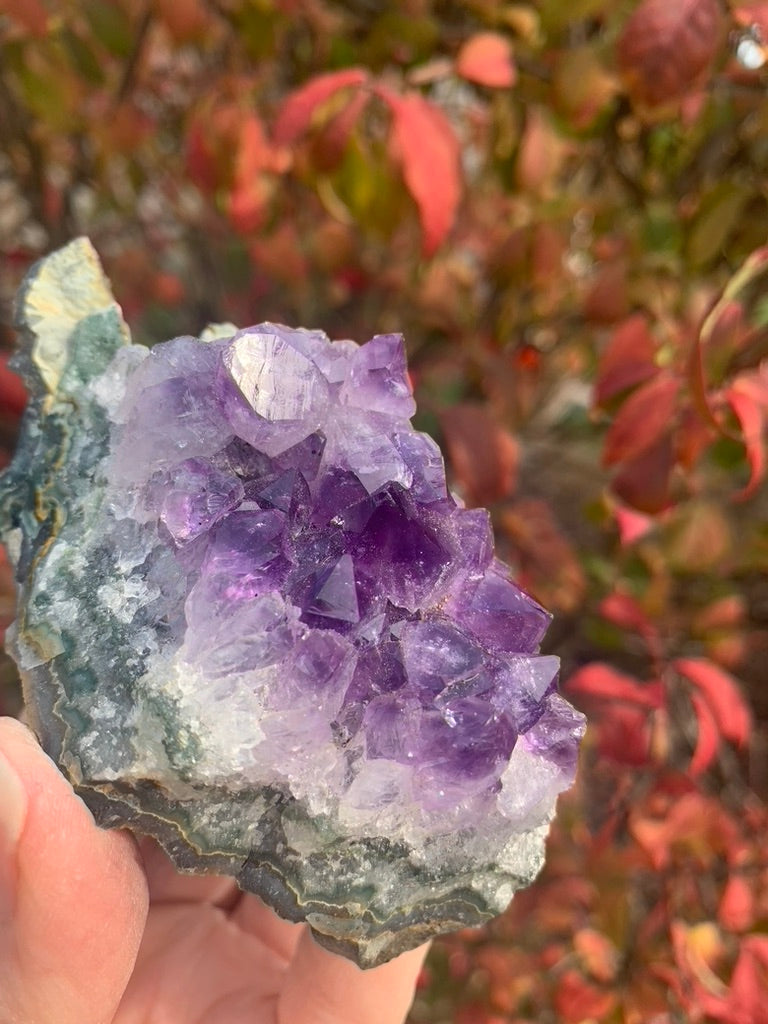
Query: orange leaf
[(600, 680), (723, 695), (707, 737), (697, 986), (597, 952), (751, 416), (540, 155), (642, 420), (628, 359), (486, 59), (722, 613), (429, 151), (296, 113)]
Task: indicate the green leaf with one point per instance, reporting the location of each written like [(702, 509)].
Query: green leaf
[(718, 217), (111, 26), (44, 97), (82, 57)]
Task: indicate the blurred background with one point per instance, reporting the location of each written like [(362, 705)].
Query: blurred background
[(563, 206)]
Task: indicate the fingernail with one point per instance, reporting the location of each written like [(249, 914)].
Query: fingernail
[(13, 807)]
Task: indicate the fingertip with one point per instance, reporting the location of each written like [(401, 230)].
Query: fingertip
[(342, 993)]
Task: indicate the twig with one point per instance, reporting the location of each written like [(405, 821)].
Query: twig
[(127, 81)]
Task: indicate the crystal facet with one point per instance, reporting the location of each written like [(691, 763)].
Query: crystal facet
[(254, 623)]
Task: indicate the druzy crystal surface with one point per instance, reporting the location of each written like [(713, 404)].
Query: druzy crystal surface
[(254, 623)]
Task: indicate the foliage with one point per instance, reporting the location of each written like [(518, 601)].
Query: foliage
[(563, 207)]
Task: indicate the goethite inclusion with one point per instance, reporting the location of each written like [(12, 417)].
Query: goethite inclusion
[(254, 624)]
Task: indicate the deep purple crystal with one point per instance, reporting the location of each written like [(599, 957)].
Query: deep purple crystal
[(334, 588)]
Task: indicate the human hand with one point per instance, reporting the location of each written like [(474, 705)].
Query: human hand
[(95, 929)]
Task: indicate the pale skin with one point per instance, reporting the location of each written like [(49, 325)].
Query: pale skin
[(97, 929)]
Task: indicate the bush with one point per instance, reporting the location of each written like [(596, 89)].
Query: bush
[(563, 207)]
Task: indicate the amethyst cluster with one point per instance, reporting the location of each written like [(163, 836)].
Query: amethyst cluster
[(255, 624), (337, 595)]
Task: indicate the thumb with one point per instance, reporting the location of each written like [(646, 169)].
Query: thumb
[(73, 898)]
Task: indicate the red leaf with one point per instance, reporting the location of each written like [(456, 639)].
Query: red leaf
[(644, 482), (29, 13), (624, 611), (624, 734), (331, 143), (632, 525), (577, 999), (748, 983), (666, 46), (758, 947), (607, 298), (723, 696), (201, 166), (628, 359), (707, 738), (709, 336), (13, 394), (256, 159), (600, 680), (295, 115), (486, 59), (549, 566), (168, 289), (429, 151), (483, 454), (692, 437), (737, 905), (751, 416), (642, 420), (186, 20)]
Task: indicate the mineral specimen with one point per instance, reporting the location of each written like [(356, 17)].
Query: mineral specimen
[(254, 624)]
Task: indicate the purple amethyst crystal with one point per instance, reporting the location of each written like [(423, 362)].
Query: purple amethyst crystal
[(315, 510), (283, 640)]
